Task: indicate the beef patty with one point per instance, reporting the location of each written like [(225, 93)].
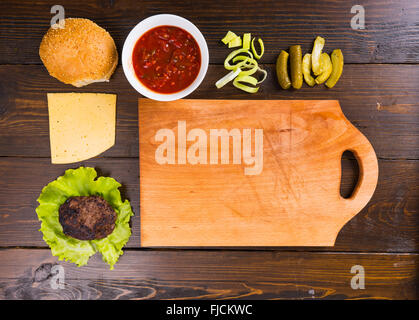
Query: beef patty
[(87, 217)]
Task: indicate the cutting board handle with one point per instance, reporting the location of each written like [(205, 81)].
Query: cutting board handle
[(368, 173)]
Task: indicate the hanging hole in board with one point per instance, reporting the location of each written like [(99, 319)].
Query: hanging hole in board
[(350, 174)]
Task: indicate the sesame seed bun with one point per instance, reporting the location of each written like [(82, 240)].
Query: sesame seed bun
[(80, 53)]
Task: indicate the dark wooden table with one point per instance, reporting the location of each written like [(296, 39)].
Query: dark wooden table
[(378, 92)]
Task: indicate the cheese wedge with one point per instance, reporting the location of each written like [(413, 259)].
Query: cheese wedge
[(81, 125)]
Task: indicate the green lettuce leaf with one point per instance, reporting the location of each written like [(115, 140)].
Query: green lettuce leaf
[(81, 182)]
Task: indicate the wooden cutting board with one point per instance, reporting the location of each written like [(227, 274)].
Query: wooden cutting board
[(200, 187)]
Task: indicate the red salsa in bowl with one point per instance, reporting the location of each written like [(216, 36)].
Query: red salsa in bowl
[(166, 59)]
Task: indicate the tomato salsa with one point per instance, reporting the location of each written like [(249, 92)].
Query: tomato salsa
[(166, 59)]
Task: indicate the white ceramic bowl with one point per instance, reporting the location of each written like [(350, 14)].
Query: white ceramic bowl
[(143, 27)]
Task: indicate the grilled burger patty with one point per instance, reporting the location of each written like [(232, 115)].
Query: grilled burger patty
[(87, 217)]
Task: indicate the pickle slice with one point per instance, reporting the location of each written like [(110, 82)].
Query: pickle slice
[(326, 68), (296, 66), (337, 63), (307, 70), (282, 70), (315, 55)]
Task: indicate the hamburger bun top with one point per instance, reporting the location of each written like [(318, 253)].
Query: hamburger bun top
[(80, 53)]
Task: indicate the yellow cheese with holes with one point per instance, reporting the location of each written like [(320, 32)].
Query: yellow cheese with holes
[(81, 125)]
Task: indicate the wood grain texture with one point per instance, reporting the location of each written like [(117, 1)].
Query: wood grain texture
[(287, 196), (389, 223), (191, 274), (380, 100), (379, 97), (390, 34)]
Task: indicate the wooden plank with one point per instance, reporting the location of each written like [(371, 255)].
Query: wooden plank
[(380, 100), (390, 34), (387, 224), (162, 274)]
